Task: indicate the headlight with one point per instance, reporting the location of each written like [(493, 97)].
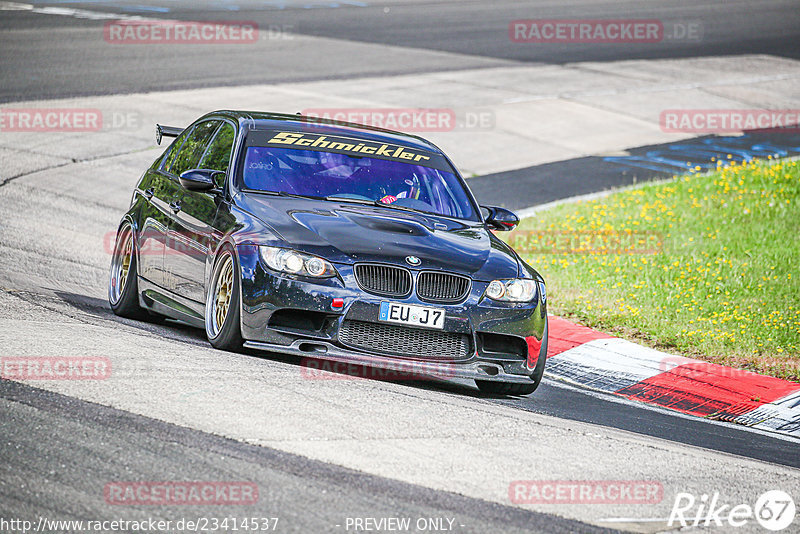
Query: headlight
[(293, 262), (518, 290)]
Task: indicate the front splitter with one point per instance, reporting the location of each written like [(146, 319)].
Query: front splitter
[(321, 350)]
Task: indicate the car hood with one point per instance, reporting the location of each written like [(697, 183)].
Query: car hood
[(344, 232)]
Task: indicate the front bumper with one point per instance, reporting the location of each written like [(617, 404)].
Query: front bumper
[(294, 315), (480, 370)]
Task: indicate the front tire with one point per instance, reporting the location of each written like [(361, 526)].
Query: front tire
[(506, 388), (513, 388), (223, 303)]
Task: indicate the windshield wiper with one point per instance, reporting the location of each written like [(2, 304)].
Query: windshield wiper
[(367, 202), (334, 198), (285, 194)]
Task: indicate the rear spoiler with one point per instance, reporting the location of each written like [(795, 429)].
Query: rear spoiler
[(166, 131)]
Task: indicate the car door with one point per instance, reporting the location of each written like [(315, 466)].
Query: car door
[(158, 189), (191, 232)]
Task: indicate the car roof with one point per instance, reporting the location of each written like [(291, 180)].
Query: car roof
[(259, 120)]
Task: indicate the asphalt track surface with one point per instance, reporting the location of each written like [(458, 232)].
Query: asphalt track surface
[(551, 182), (50, 56), (44, 56), (309, 495)]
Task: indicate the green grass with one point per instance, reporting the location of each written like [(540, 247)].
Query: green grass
[(705, 265)]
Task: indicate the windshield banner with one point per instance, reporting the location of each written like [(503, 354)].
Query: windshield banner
[(350, 146)]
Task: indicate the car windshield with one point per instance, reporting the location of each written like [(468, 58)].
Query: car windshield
[(334, 176)]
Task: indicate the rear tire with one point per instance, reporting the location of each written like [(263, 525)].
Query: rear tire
[(506, 388), (223, 311), (123, 287)]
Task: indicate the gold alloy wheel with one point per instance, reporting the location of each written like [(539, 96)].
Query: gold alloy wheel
[(122, 264), (125, 268), (223, 293)]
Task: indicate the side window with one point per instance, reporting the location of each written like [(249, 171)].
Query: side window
[(189, 154), (173, 150), (218, 153)]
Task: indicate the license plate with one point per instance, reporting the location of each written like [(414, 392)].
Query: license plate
[(394, 312)]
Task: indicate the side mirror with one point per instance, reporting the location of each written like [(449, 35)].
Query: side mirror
[(500, 219), (200, 179)]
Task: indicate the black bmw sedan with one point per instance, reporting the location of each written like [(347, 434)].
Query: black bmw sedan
[(333, 241)]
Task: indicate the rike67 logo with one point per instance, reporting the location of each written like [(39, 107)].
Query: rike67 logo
[(774, 510)]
